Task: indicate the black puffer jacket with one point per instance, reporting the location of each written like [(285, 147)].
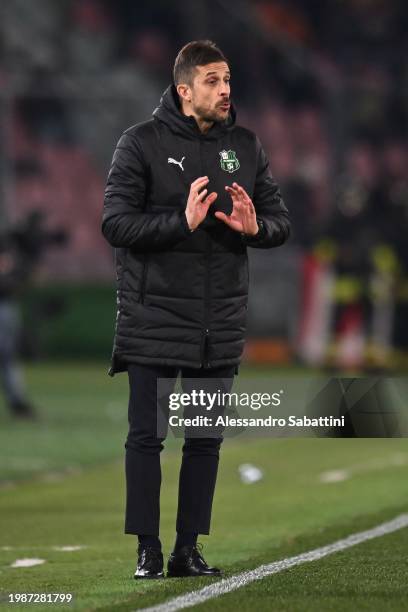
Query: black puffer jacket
[(181, 295)]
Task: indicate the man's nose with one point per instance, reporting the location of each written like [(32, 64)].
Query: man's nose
[(224, 90)]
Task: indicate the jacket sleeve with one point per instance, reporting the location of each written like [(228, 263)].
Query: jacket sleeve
[(271, 212), (124, 222)]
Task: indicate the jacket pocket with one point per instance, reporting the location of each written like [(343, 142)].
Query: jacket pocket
[(144, 279)]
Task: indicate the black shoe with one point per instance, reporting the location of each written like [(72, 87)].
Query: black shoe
[(150, 563), (188, 561), (23, 410)]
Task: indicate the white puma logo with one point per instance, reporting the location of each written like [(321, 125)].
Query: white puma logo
[(179, 163)]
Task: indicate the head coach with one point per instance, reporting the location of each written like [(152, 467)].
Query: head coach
[(188, 191)]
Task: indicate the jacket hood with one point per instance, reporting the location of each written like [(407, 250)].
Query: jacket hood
[(169, 112)]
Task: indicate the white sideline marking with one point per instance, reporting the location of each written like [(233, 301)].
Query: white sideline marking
[(236, 582), (334, 476), (27, 562), (395, 460), (61, 548), (68, 548)]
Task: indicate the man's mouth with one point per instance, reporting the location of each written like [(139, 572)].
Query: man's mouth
[(225, 105)]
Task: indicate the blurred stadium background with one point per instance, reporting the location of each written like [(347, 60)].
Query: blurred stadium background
[(325, 85)]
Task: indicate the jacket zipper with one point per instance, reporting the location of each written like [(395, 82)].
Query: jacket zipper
[(112, 368), (143, 282), (204, 359), (206, 335), (206, 331)]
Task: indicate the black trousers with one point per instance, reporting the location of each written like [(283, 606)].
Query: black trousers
[(200, 456)]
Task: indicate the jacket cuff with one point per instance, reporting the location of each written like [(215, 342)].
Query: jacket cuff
[(258, 237), (185, 224)]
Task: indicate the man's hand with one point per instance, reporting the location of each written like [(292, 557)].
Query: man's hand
[(243, 217), (197, 206)]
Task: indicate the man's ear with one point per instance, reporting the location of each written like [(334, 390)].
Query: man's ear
[(184, 91)]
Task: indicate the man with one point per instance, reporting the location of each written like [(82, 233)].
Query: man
[(187, 192), (12, 278), (21, 249)]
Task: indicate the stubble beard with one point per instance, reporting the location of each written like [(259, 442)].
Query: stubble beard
[(209, 116)]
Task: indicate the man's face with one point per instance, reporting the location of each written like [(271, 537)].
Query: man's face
[(210, 92)]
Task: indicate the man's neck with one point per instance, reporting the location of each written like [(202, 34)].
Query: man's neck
[(203, 125)]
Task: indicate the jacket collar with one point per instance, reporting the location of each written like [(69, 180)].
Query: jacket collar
[(169, 112)]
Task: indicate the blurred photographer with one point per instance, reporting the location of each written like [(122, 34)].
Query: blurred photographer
[(21, 249)]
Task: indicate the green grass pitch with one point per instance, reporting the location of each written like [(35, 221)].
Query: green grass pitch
[(62, 484)]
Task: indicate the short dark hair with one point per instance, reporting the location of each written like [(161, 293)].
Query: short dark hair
[(195, 53)]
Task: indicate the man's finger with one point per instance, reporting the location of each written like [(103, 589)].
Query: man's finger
[(222, 216), (195, 188), (250, 205), (247, 205), (233, 193), (201, 180), (231, 189), (232, 223), (247, 217), (238, 193), (237, 188), (201, 195), (242, 192), (210, 198)]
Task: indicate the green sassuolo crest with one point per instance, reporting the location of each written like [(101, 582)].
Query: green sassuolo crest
[(229, 161)]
